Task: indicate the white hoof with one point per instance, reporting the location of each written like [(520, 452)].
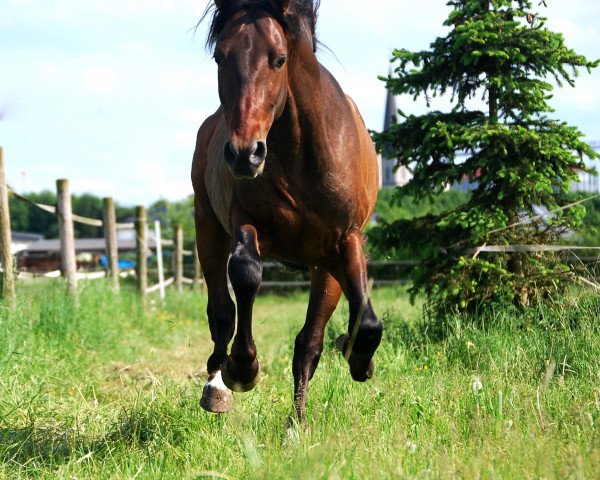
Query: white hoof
[(216, 397)]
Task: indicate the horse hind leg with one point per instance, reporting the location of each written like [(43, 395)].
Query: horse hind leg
[(365, 330), (325, 293), (241, 369)]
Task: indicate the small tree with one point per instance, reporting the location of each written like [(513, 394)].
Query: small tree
[(519, 158)]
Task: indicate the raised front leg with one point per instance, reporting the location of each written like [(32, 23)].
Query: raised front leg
[(325, 293), (358, 345), (241, 370)]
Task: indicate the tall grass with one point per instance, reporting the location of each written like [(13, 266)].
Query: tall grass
[(108, 389)]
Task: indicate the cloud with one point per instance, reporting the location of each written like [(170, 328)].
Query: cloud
[(193, 116), (135, 48), (153, 174), (584, 97), (70, 10), (99, 79), (184, 81)]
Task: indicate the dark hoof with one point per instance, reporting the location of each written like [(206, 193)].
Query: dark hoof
[(240, 378), (362, 366), (216, 397)]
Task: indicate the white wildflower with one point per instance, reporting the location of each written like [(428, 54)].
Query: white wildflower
[(476, 386)]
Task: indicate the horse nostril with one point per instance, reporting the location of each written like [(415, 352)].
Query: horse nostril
[(230, 152), (247, 161), (260, 152)]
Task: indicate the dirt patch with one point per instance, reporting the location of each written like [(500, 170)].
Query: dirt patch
[(182, 364)]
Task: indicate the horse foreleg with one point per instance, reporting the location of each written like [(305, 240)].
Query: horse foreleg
[(358, 345), (325, 293), (216, 397), (241, 370), (213, 250)]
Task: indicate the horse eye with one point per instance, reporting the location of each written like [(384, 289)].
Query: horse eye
[(280, 62)]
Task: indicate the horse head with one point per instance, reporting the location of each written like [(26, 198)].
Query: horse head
[(251, 51)]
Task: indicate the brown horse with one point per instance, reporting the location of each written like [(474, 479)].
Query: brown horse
[(284, 169)]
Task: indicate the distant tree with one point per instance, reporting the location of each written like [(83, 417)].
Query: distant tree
[(19, 215), (175, 213), (123, 212), (27, 218), (499, 51), (89, 206)]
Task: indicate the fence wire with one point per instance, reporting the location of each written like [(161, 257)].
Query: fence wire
[(94, 222), (51, 209)]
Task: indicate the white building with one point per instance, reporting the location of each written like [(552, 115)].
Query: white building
[(21, 240), (589, 182)]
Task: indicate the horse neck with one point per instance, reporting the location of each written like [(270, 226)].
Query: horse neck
[(303, 122)]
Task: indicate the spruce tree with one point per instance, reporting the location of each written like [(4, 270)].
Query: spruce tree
[(499, 54)]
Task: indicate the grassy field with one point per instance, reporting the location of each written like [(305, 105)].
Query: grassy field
[(111, 390)]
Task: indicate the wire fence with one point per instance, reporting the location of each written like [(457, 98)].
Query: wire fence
[(147, 246), (65, 250)]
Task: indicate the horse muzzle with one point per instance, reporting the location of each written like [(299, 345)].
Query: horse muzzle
[(246, 162)]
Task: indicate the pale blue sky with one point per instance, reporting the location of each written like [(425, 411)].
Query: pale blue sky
[(110, 93)]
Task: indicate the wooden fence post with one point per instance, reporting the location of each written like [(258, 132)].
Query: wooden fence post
[(142, 250), (66, 233), (110, 237), (7, 279), (178, 258)]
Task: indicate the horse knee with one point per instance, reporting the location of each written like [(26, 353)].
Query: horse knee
[(245, 271)]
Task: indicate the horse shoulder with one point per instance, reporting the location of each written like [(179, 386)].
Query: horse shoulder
[(205, 132), (209, 171)]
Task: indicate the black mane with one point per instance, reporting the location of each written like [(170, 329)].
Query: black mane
[(291, 21)]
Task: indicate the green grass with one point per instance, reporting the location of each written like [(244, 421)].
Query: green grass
[(110, 390)]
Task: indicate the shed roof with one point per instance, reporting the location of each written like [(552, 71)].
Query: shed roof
[(25, 236), (92, 245)]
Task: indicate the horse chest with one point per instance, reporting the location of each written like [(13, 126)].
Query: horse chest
[(295, 227)]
